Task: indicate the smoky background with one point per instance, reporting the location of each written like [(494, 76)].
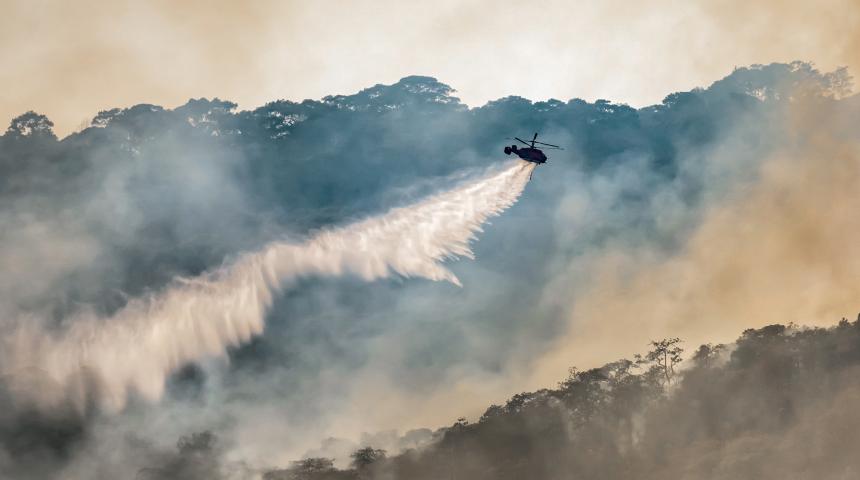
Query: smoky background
[(625, 236)]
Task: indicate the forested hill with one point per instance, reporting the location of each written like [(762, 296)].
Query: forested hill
[(146, 195), (782, 402)]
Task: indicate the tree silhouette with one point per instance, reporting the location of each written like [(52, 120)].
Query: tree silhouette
[(365, 457), (31, 124), (663, 357), (315, 468)]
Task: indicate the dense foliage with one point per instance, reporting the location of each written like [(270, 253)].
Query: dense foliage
[(779, 403), (174, 191)]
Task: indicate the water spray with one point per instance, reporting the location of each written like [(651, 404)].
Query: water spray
[(197, 318)]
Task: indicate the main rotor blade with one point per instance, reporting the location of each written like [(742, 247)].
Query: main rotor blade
[(535, 137), (548, 144), (521, 140)]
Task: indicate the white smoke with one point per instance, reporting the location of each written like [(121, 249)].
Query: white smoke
[(201, 317)]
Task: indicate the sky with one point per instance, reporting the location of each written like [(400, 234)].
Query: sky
[(69, 60)]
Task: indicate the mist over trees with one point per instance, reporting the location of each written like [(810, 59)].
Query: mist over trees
[(191, 185), (146, 194), (778, 403)]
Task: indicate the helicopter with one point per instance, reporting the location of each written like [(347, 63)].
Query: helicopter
[(530, 153)]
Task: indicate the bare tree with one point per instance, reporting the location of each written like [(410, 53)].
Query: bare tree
[(663, 357)]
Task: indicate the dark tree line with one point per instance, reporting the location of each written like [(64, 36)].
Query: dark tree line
[(778, 403), (195, 184)]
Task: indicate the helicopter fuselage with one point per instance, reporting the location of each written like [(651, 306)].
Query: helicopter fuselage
[(528, 154)]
